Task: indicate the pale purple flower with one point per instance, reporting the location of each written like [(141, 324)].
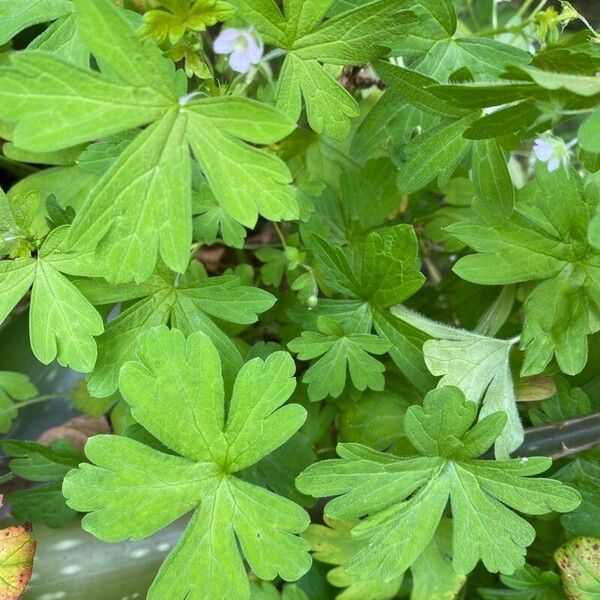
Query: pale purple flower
[(243, 47), (552, 151)]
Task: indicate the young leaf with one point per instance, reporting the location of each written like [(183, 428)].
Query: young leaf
[(16, 217), (389, 274), (333, 544), (391, 494), (478, 365), (151, 178), (211, 219), (57, 215), (62, 323), (131, 490), (339, 351), (173, 18)]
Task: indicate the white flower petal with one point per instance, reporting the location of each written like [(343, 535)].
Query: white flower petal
[(240, 62), (543, 150), (553, 164), (254, 51), (226, 40)]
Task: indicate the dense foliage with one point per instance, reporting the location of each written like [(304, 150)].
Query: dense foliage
[(324, 266)]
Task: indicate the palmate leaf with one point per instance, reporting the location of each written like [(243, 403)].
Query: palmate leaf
[(62, 323), (389, 274), (478, 365), (353, 37), (210, 220), (389, 271), (546, 241), (432, 572), (393, 494), (583, 474), (191, 303), (141, 207), (439, 150), (339, 351), (410, 101), (332, 543), (175, 391), (366, 198)]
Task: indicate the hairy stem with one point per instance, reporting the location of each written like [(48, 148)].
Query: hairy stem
[(561, 439)]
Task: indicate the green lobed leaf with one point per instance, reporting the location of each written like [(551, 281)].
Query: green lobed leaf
[(136, 87), (545, 240), (189, 305), (355, 37), (434, 154), (340, 352), (528, 583), (131, 490), (492, 180), (62, 323), (478, 365), (173, 19), (390, 494)]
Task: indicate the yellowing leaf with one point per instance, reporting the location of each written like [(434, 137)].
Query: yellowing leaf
[(17, 549), (579, 562)]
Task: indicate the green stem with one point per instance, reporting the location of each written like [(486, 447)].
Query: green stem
[(280, 235), (20, 405), (524, 8)]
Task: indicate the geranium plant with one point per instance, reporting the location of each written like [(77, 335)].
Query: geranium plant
[(327, 275)]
